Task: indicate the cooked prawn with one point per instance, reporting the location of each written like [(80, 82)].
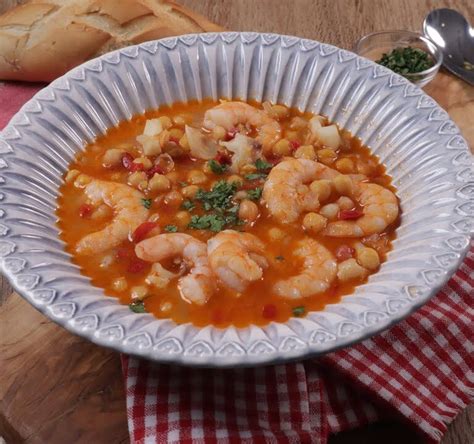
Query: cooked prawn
[(285, 192), (380, 209), (230, 114), (129, 214), (198, 285), (318, 271), (236, 258)]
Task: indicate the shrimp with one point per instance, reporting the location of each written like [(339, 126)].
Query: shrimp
[(236, 258), (198, 285), (129, 214), (231, 114), (319, 270), (380, 209), (285, 192)]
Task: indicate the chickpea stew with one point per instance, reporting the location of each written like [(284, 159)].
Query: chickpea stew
[(227, 213)]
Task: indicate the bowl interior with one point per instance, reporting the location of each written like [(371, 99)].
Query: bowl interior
[(422, 149)]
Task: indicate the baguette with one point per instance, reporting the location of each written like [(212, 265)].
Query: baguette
[(43, 39)]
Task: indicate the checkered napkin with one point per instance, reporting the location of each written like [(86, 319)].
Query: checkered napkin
[(419, 371)]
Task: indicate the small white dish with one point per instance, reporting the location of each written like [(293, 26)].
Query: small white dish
[(428, 159)]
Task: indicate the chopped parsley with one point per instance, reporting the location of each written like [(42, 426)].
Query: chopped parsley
[(221, 212), (137, 307), (255, 194), (279, 258), (146, 203), (188, 205), (216, 167), (262, 165), (299, 311), (406, 60), (171, 228), (256, 176)]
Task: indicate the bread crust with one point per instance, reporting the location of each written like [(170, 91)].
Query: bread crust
[(41, 40)]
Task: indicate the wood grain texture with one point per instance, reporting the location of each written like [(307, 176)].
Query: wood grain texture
[(58, 388)]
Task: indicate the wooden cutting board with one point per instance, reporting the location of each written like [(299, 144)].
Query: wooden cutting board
[(59, 388)]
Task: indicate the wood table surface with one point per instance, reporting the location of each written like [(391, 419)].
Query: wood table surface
[(58, 388)]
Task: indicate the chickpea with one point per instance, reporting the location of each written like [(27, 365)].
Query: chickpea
[(366, 168), (282, 148), (139, 292), (196, 177), (345, 203), (248, 210), (298, 123), (135, 178), (322, 188), (173, 176), (276, 234), (166, 122), (176, 133), (112, 157), (248, 169), (349, 270), (279, 111), (159, 183), (343, 185), (234, 178), (326, 156), (314, 222), (183, 218), (183, 143), (305, 152), (291, 135), (173, 198), (81, 181), (345, 165), (368, 258), (143, 185), (71, 175), (240, 195), (190, 191), (218, 132), (120, 284), (179, 120), (144, 161), (329, 211)]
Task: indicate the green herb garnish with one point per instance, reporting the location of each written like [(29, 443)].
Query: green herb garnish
[(299, 311), (188, 205), (279, 258), (146, 203), (219, 197), (216, 167), (255, 194), (262, 165), (137, 307), (171, 228), (256, 176), (406, 60), (210, 222)]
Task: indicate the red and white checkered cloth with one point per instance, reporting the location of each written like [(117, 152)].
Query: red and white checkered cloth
[(419, 370)]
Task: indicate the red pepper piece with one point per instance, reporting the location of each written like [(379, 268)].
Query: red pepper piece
[(231, 134), (136, 266), (223, 158), (130, 165), (350, 214), (85, 210), (344, 252), (294, 145), (142, 230), (269, 311), (154, 169)]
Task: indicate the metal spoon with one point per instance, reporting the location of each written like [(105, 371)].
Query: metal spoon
[(455, 36)]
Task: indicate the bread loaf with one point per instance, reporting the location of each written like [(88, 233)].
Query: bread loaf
[(43, 39)]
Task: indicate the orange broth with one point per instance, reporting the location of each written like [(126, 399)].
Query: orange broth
[(257, 304)]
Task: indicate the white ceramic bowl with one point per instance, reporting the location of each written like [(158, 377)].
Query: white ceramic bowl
[(422, 149)]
